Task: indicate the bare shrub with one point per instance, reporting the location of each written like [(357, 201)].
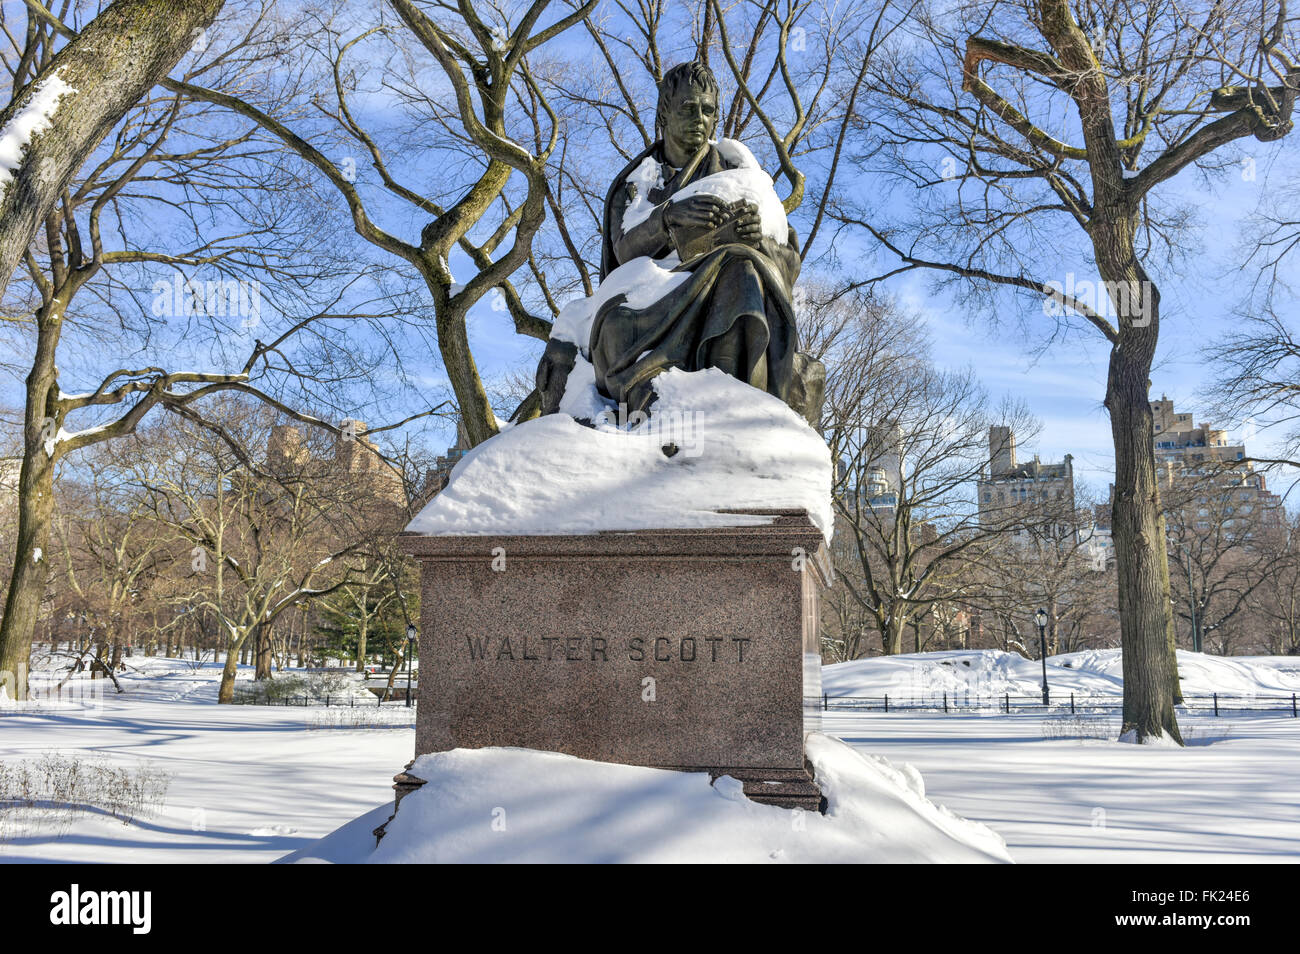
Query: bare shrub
[(368, 718), (316, 688), (1080, 727), (50, 791)]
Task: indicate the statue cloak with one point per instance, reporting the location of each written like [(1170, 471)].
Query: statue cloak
[(734, 312)]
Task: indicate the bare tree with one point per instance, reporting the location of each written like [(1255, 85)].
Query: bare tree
[(1275, 603), (256, 543), (1051, 563), (910, 441), (111, 554), (1221, 549), (482, 55), (232, 215), (1037, 136), (1259, 379)]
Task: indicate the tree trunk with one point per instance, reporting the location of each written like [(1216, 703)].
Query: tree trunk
[(393, 670), (234, 649), (35, 510), (262, 652), (453, 343), (98, 667), (892, 636), (1142, 566), (226, 692)]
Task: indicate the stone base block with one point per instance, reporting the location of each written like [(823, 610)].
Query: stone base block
[(684, 649)]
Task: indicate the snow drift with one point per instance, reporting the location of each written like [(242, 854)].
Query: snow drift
[(520, 805)]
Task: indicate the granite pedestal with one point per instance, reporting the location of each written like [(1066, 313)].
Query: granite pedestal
[(687, 649)]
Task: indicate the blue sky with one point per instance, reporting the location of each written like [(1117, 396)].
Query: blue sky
[(1062, 384)]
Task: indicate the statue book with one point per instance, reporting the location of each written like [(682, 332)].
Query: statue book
[(692, 241)]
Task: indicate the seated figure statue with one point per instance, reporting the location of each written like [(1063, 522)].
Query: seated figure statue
[(705, 212)]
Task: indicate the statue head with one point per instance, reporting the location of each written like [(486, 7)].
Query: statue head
[(687, 114)]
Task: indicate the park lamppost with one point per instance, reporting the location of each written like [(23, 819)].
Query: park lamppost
[(1041, 619), (410, 653)]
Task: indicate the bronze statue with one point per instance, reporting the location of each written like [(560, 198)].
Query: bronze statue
[(682, 203)]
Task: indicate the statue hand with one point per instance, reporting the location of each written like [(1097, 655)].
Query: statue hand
[(749, 225), (696, 210)]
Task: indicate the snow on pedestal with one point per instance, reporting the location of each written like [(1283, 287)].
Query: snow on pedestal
[(737, 448)]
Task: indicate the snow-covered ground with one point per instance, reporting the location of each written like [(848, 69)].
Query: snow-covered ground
[(1058, 788), (1232, 795), (256, 783), (247, 783)]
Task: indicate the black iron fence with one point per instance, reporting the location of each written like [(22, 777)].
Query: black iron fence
[(344, 700), (1216, 702)]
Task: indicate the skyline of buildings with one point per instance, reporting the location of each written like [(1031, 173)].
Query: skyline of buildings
[(1206, 479), (1010, 482)]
